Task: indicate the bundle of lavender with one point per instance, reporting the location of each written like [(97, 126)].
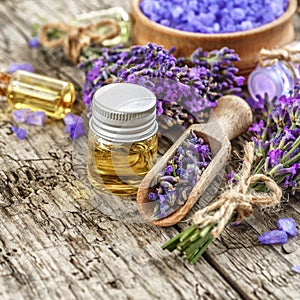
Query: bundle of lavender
[(184, 87), (271, 167)]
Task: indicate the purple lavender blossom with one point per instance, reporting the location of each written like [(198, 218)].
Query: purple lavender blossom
[(13, 67), (288, 225), (213, 16), (275, 155), (194, 89), (277, 140), (257, 127), (21, 115), (37, 118), (273, 237), (20, 132), (74, 125)]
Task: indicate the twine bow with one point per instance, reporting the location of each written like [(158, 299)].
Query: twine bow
[(270, 57), (238, 199), (78, 37)]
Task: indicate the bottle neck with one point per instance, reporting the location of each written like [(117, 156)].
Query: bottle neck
[(4, 82)]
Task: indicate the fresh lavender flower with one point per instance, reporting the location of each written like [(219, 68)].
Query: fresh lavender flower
[(177, 87), (20, 66), (37, 118), (288, 225), (276, 155), (21, 115), (20, 132), (74, 125), (171, 187), (273, 237), (217, 16), (277, 141)]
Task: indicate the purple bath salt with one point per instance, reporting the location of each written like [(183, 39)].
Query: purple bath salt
[(288, 225), (273, 237), (213, 16), (37, 118)]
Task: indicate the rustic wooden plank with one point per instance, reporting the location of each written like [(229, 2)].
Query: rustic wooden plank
[(54, 242), (57, 243), (52, 235)]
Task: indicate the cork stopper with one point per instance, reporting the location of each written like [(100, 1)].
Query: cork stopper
[(4, 82)]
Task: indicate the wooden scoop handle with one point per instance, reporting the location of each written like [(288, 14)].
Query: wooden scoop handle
[(230, 118)]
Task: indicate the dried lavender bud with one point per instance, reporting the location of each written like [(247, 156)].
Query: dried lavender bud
[(274, 237), (288, 225)]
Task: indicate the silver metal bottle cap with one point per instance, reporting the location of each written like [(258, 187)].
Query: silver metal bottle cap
[(124, 112)]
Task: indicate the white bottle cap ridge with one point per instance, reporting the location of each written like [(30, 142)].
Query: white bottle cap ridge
[(124, 112)]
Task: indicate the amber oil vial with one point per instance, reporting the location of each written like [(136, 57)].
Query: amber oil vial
[(122, 139), (29, 90)]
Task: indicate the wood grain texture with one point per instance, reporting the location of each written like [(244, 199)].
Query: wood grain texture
[(56, 243)]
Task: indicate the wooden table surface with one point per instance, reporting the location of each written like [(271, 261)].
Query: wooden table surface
[(55, 243)]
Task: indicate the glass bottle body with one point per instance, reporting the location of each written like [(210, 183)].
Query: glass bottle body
[(28, 90), (120, 167), (275, 80)]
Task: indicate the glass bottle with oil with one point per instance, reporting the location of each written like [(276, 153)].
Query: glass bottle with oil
[(122, 138), (28, 90)]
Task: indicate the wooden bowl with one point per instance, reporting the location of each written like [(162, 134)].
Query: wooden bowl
[(246, 43)]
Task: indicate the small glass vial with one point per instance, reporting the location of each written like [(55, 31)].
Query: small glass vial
[(122, 137), (116, 13), (28, 90), (275, 80)]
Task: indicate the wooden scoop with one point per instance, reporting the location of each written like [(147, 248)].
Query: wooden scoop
[(230, 118)]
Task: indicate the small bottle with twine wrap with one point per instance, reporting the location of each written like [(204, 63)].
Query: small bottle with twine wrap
[(106, 28), (276, 73)]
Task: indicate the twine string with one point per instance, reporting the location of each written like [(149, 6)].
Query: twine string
[(78, 37), (238, 198), (286, 55)]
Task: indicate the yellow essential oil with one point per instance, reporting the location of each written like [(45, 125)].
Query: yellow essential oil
[(122, 138), (120, 167), (39, 93)]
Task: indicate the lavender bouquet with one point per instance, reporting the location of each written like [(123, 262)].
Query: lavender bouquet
[(185, 87), (271, 167)]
